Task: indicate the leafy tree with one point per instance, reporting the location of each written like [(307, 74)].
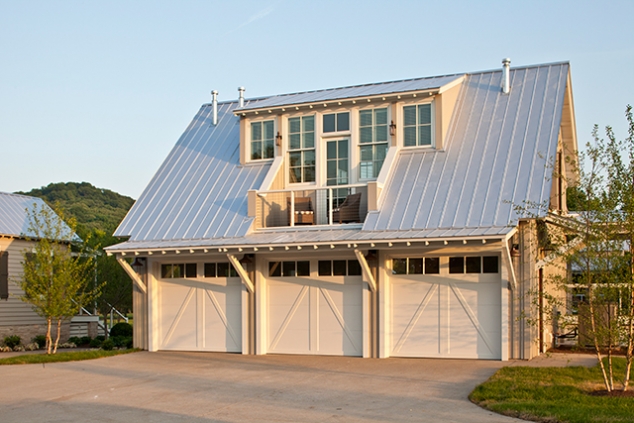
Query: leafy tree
[(56, 279), (98, 212), (597, 245)]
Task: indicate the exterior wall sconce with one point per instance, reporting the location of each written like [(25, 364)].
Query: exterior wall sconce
[(392, 129), (278, 139), (138, 263)]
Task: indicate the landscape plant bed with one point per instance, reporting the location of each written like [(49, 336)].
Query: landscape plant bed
[(555, 394), (64, 356)]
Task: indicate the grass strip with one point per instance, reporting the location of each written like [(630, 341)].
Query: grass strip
[(551, 394), (63, 356)]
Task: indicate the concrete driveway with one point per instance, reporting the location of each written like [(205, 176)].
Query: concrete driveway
[(210, 387)]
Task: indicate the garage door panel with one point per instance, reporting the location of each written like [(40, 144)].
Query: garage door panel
[(313, 316), (222, 321), (288, 317), (445, 317), (200, 316)]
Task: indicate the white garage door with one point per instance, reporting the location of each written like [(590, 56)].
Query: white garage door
[(200, 316), (315, 315), (455, 315)]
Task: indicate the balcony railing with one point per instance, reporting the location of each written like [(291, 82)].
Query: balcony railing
[(334, 205)]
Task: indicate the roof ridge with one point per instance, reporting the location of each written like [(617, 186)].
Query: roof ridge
[(18, 195), (420, 78)]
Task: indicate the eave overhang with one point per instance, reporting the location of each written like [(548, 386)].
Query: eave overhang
[(348, 101), (317, 246)]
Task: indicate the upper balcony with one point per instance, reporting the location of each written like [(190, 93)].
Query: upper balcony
[(311, 206)]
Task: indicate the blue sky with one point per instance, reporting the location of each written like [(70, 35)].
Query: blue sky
[(101, 91)]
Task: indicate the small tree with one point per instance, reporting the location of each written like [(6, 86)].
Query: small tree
[(56, 280), (602, 235)]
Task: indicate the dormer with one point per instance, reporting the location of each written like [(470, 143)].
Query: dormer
[(330, 148)]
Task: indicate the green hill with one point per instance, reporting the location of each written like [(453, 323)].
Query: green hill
[(95, 209)]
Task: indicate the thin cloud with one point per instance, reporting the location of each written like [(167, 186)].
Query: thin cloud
[(253, 18)]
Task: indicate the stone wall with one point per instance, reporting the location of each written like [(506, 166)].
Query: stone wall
[(28, 332)]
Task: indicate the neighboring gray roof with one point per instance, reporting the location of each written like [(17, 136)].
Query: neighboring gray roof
[(326, 236), (14, 218), (406, 85), (200, 191), (495, 156)]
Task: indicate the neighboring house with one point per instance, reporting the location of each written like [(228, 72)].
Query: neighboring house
[(16, 316), (374, 220)]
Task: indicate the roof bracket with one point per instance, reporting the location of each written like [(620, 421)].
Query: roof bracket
[(132, 273), (242, 272), (367, 273)]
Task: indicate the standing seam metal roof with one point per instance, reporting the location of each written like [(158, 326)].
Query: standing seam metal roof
[(495, 156), (14, 214), (200, 189), (406, 85)]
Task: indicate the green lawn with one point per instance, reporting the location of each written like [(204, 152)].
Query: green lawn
[(63, 356), (552, 395)]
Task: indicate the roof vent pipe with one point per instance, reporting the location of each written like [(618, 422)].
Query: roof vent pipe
[(214, 104), (241, 97), (506, 75)]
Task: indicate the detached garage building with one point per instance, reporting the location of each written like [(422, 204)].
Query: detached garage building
[(375, 220)]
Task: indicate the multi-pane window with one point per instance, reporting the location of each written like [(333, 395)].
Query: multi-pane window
[(486, 264), (178, 270), (337, 168), (336, 122), (301, 134), (416, 266), (262, 140), (289, 268), (417, 127), (339, 268), (220, 270), (373, 130)]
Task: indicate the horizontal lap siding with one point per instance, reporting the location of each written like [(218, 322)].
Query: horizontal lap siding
[(14, 311)]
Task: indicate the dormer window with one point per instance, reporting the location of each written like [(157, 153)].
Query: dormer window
[(301, 149), (417, 125), (262, 140), (373, 141), (336, 122)]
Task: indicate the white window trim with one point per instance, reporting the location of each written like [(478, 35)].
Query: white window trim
[(400, 132), (357, 139), (248, 139), (286, 148)]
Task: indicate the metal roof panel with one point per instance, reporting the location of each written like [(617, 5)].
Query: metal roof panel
[(416, 84), (14, 215)]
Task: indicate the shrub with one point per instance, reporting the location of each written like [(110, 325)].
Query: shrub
[(96, 343), (75, 340), (100, 337), (107, 345), (85, 340), (122, 341), (40, 340), (121, 329), (12, 341)]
